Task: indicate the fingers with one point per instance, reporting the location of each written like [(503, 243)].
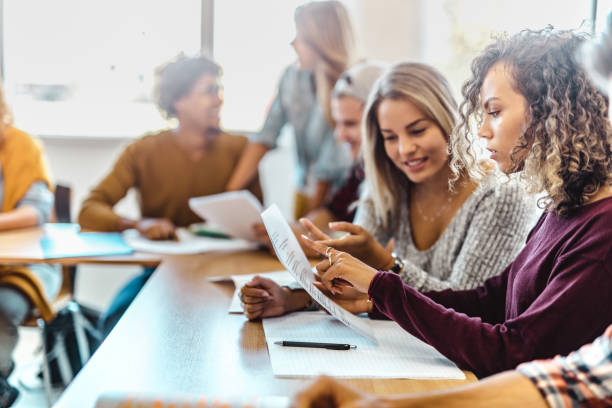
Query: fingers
[(253, 295), (265, 283), (312, 229), (259, 227), (346, 227), (318, 394), (316, 246)]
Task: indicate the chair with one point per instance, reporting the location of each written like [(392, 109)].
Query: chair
[(61, 213)]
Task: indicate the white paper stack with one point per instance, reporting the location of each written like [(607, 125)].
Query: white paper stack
[(187, 244)]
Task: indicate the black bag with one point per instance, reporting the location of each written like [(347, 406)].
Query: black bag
[(68, 341)]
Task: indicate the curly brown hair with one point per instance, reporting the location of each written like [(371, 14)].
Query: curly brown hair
[(565, 150), (176, 79)]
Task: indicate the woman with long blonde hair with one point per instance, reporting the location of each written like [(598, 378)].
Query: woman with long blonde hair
[(324, 45), (450, 231)]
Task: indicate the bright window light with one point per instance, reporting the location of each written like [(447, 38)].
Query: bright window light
[(85, 68)]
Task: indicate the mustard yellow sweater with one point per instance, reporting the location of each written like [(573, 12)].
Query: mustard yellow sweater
[(165, 177)]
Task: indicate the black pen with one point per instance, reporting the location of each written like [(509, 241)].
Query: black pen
[(329, 346)]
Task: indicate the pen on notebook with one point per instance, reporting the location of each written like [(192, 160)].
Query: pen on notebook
[(329, 346)]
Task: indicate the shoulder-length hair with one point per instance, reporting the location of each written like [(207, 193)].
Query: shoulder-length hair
[(431, 93), (326, 28), (564, 151)]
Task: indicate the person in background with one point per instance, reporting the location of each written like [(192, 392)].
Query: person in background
[(27, 201), (349, 97), (169, 167), (324, 46), (348, 100), (544, 121), (582, 379), (444, 237)]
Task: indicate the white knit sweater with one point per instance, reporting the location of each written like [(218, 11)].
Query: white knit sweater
[(483, 237)]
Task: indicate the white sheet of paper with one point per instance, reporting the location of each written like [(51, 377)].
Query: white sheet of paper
[(232, 213), (280, 277), (398, 354), (292, 257), (188, 243)]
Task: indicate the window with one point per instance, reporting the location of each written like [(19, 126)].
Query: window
[(465, 27), (83, 68), (253, 47)]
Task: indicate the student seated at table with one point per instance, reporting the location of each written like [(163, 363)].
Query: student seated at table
[(167, 168), (348, 99), (324, 45), (541, 118), (582, 379), (444, 238), (26, 201)]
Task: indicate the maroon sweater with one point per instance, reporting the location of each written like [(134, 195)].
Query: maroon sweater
[(553, 298)]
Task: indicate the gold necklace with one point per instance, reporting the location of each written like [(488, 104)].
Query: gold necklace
[(437, 215)]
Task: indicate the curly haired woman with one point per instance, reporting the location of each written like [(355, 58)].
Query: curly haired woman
[(541, 118)]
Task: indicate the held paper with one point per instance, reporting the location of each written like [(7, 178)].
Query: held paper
[(292, 257)]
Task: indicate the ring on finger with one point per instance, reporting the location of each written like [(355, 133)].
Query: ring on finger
[(329, 255)]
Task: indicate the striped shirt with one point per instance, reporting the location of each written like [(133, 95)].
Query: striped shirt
[(582, 379)]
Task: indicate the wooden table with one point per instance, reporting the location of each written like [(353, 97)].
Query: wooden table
[(177, 337), (22, 246)]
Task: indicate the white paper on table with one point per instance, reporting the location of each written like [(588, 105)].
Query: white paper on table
[(292, 257), (233, 213), (280, 277), (398, 354), (188, 243)]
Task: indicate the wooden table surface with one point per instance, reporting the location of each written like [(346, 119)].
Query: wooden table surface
[(22, 246), (177, 337)]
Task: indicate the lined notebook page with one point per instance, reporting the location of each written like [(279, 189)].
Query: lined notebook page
[(398, 354)]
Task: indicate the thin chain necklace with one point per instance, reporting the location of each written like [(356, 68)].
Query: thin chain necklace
[(438, 213)]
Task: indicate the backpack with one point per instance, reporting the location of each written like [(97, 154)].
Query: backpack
[(68, 342)]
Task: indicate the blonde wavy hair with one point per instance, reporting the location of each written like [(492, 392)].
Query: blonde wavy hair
[(429, 91), (6, 116), (326, 28), (565, 150)]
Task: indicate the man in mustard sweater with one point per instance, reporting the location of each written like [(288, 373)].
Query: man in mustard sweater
[(167, 168)]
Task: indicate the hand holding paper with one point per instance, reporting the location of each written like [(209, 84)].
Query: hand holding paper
[(292, 257), (340, 269)]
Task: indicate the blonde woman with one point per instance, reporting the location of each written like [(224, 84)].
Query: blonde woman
[(541, 118), (324, 46), (26, 201), (449, 231), (444, 238)]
